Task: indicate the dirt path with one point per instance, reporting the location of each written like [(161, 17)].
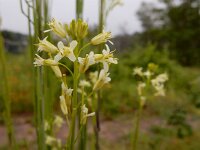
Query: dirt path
[(111, 130)]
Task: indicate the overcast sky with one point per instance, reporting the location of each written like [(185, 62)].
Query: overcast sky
[(121, 19)]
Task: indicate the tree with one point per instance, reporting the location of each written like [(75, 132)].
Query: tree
[(175, 24)]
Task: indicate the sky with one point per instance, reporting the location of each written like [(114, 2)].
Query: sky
[(122, 19)]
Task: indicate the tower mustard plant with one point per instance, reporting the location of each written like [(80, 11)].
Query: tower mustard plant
[(149, 82), (76, 99)]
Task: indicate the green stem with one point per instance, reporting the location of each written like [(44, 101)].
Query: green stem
[(67, 69), (83, 128), (83, 137), (137, 129), (74, 101), (86, 45), (7, 110), (39, 97), (79, 9), (97, 109), (94, 122), (70, 140)]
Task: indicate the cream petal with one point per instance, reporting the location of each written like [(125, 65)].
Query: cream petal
[(105, 66), (108, 79), (60, 46), (104, 52), (72, 57), (102, 73), (58, 57), (69, 92), (107, 48), (81, 60), (73, 44)]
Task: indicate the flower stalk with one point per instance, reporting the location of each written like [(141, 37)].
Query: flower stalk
[(137, 128)]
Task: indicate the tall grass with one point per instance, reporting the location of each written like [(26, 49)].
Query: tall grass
[(6, 97)]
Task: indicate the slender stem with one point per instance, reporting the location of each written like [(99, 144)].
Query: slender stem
[(94, 122), (79, 134), (74, 100), (97, 109), (83, 131), (79, 9), (40, 84), (86, 45), (91, 93), (67, 120), (70, 140), (137, 128), (7, 111), (101, 15), (67, 69)]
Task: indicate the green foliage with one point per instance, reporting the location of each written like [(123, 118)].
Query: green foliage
[(178, 120), (122, 97)]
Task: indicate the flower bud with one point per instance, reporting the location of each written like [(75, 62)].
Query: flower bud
[(57, 28), (101, 38), (63, 105), (46, 46), (77, 29), (102, 80)]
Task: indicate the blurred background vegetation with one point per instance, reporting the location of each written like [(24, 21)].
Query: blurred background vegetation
[(170, 38)]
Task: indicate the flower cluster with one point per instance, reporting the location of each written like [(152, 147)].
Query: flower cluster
[(50, 140), (150, 80), (70, 48)]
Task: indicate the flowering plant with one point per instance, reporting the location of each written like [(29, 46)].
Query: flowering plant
[(149, 81), (70, 47)]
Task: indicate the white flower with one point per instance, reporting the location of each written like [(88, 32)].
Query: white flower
[(162, 77), (108, 55), (46, 46), (65, 90), (93, 76), (39, 61), (81, 92), (159, 81), (65, 98), (160, 92), (58, 121), (140, 88), (63, 105), (101, 38), (138, 71), (84, 114), (158, 84), (86, 62), (57, 28), (65, 51), (106, 58), (84, 83), (46, 125), (51, 141), (147, 74), (102, 80), (142, 100)]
